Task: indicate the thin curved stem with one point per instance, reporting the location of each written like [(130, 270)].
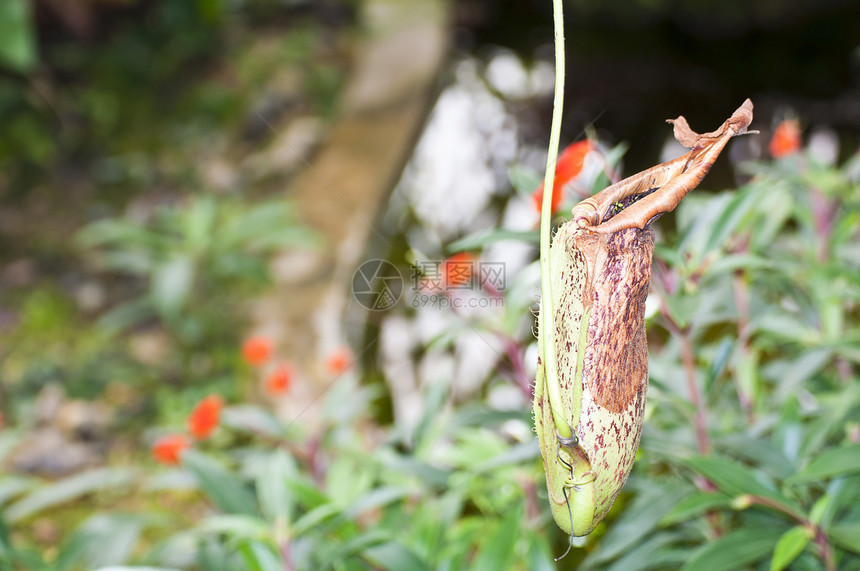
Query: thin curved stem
[(547, 312)]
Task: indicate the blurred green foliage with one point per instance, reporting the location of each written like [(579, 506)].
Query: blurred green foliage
[(759, 285), (18, 44), (194, 266), (148, 78), (198, 261), (143, 109)]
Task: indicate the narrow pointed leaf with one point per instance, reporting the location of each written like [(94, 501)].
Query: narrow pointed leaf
[(790, 545), (832, 462), (734, 551)]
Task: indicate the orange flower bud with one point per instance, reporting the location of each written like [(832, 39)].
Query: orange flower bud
[(203, 420), (279, 380), (567, 167), (257, 350), (168, 449), (339, 361), (458, 269), (786, 139)]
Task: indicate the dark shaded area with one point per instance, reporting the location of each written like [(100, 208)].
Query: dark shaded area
[(628, 63)]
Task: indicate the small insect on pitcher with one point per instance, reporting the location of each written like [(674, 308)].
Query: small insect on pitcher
[(592, 373)]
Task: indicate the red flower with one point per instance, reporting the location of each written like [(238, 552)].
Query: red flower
[(168, 449), (786, 139), (279, 380), (257, 350), (458, 269), (339, 361), (567, 167), (203, 420)]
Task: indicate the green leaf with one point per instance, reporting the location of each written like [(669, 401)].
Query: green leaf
[(739, 207), (695, 505), (517, 454), (733, 551), (119, 233), (696, 219), (539, 557), (237, 527), (481, 239), (795, 373), (774, 212), (17, 36), (747, 373), (125, 315), (213, 556), (394, 556), (68, 489), (498, 551), (719, 360), (682, 307), (346, 480), (259, 557), (735, 479), (784, 326), (525, 180), (275, 498), (134, 568), (477, 414), (265, 226), (227, 491), (9, 439), (253, 419), (819, 508), (636, 522), (759, 452), (642, 555), (316, 517), (199, 223), (845, 536), (841, 494), (790, 545), (171, 285), (103, 539), (830, 463), (428, 474), (306, 494), (12, 486), (743, 261), (376, 498), (354, 547)]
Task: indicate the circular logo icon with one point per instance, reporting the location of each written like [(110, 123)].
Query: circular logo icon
[(377, 285)]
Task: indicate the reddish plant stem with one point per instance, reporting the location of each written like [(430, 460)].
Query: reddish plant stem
[(518, 366), (533, 509), (767, 502), (825, 549), (287, 555), (823, 216), (823, 213), (664, 281), (741, 291), (689, 362)]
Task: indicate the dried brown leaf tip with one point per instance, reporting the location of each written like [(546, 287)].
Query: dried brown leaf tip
[(637, 200)]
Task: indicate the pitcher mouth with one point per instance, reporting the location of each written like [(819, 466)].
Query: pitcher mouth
[(618, 206), (640, 199)]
